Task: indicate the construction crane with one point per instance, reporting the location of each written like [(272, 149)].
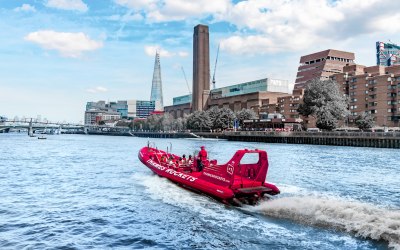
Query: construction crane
[(184, 75), (215, 68)]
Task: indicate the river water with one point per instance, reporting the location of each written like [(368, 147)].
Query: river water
[(92, 192)]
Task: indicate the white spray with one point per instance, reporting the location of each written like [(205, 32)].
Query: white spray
[(361, 219)]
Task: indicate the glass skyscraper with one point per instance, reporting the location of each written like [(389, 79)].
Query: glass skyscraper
[(156, 87), (387, 54)]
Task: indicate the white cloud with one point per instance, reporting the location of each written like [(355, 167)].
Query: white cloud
[(98, 89), (77, 5), (151, 51), (272, 26), (138, 4), (26, 8), (183, 54), (176, 10), (129, 17), (67, 44)]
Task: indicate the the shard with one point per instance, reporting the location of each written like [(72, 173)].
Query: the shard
[(156, 87)]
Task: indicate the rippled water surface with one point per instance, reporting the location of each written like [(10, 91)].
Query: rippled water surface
[(92, 192)]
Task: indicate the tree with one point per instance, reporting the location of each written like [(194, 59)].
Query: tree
[(323, 100), (364, 121), (139, 124), (245, 114), (167, 122), (225, 118), (199, 120), (213, 113), (154, 122)]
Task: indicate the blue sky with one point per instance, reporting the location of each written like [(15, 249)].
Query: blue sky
[(58, 54)]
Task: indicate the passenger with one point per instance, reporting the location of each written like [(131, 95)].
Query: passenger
[(171, 162), (184, 161), (163, 159), (190, 160)]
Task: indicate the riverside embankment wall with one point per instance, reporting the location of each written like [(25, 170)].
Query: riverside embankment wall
[(355, 139), (359, 139)]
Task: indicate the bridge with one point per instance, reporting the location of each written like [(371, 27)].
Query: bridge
[(31, 126)]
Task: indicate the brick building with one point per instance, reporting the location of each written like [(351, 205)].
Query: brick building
[(375, 90), (322, 65)]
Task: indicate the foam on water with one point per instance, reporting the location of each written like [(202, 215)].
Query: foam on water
[(363, 220), (212, 212)]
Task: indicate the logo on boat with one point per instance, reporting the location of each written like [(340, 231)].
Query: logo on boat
[(171, 171), (229, 169), (216, 177), (181, 175), (158, 166)]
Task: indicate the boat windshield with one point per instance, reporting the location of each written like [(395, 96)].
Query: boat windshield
[(250, 158)]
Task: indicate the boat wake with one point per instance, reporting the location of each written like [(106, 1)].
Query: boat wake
[(363, 220)]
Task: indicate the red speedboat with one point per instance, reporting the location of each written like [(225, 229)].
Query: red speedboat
[(235, 182)]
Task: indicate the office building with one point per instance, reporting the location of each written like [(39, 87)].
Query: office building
[(156, 86), (130, 109), (322, 65), (375, 90), (387, 54)]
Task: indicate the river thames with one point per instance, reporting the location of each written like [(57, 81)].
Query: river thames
[(92, 192)]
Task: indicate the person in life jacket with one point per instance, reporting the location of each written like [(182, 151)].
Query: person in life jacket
[(201, 158)]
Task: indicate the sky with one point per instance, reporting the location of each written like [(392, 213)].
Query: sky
[(56, 55)]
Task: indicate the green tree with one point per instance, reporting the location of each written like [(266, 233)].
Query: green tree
[(225, 119), (199, 120), (323, 100), (364, 121), (138, 124), (245, 114)]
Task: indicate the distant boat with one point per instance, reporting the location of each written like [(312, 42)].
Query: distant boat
[(41, 137)]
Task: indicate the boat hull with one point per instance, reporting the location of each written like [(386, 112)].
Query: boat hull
[(218, 187)]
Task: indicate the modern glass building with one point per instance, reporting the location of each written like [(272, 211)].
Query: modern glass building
[(144, 108), (182, 99), (266, 84), (156, 86), (126, 109), (387, 54)]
